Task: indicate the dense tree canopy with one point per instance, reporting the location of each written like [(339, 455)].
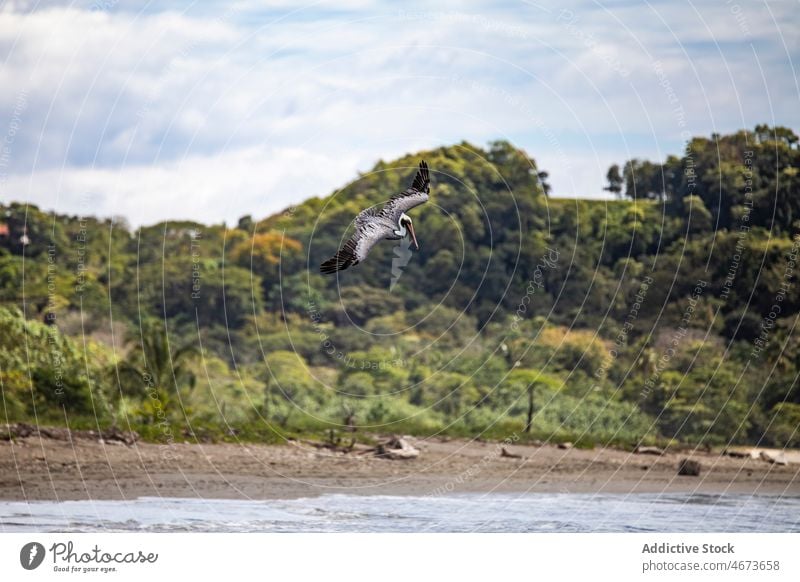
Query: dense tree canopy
[(669, 314)]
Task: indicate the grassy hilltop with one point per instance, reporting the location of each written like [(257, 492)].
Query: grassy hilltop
[(648, 318)]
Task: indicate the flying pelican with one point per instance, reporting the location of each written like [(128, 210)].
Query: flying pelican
[(390, 223)]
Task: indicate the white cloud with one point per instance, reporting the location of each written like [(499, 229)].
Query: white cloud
[(153, 109), (211, 189)]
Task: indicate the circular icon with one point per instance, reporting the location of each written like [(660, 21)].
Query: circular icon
[(31, 555)]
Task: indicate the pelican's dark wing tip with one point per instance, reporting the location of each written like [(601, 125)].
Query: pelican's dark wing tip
[(345, 257), (335, 264), (329, 267), (422, 179)]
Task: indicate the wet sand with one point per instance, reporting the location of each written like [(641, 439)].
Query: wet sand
[(36, 468)]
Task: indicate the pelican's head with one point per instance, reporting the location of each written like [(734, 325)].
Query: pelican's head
[(406, 225)]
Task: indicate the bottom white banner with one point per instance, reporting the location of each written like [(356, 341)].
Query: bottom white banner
[(389, 557)]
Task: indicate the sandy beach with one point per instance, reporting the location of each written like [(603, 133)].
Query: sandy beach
[(36, 468)]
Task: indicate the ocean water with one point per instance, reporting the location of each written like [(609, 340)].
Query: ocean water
[(532, 512)]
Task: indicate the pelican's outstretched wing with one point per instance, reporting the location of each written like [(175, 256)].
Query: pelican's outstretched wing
[(371, 228), (417, 194)]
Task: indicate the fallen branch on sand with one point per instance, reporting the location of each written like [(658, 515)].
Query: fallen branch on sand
[(334, 444), (23, 430)]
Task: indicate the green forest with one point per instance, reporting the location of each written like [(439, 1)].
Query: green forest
[(664, 316)]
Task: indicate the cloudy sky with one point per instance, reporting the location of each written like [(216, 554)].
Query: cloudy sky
[(210, 111)]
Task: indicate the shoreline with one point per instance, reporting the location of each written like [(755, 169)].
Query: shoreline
[(37, 468)]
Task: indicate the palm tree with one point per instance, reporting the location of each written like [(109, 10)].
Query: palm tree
[(153, 364)]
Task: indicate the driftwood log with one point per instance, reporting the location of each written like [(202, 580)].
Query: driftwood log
[(396, 449), (334, 443), (776, 458), (23, 430)]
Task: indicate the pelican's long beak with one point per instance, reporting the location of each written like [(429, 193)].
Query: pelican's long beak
[(413, 234)]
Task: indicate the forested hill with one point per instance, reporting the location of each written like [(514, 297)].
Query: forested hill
[(666, 314)]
